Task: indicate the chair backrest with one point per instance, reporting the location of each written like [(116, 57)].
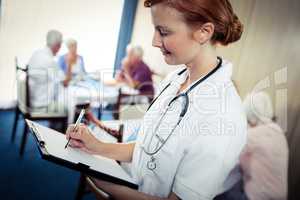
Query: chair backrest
[(22, 88), (136, 111), (131, 106), (100, 194)]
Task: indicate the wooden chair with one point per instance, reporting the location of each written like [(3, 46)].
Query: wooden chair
[(86, 185), (23, 108), (131, 106), (134, 106), (100, 195)]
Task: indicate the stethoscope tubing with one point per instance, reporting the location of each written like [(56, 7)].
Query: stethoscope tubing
[(183, 111)]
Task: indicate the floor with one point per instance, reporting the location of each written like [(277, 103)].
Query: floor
[(30, 177)]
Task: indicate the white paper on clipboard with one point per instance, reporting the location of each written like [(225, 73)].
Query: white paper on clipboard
[(54, 143)]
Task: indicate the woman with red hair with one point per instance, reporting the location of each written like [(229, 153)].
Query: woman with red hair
[(194, 131)]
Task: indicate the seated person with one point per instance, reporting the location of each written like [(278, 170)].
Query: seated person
[(44, 74), (135, 73), (264, 161), (71, 63)]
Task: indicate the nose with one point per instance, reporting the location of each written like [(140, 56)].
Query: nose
[(156, 40)]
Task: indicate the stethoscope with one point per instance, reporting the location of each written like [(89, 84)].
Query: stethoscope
[(151, 165)]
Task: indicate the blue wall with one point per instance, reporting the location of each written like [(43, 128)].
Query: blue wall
[(126, 28)]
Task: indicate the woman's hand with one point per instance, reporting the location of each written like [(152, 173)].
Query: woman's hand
[(66, 82), (83, 139), (120, 76)]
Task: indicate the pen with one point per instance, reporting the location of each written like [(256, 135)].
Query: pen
[(76, 124)]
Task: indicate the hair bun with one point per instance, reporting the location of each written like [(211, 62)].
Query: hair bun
[(234, 31)]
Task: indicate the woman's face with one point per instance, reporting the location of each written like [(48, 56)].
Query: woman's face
[(73, 48), (173, 36)]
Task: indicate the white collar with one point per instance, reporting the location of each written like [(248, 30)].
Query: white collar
[(224, 73), (178, 80)]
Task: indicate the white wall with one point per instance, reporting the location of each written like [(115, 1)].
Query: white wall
[(94, 23)]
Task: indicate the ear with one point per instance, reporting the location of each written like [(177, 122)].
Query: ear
[(204, 33)]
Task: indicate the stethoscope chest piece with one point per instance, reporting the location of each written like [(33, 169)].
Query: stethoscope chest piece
[(151, 164)]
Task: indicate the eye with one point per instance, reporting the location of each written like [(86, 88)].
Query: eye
[(163, 33)]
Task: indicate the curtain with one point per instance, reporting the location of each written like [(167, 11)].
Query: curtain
[(126, 28)]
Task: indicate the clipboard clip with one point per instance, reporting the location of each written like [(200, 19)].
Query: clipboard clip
[(42, 144), (40, 140)]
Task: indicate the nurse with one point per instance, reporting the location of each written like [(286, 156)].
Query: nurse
[(194, 131)]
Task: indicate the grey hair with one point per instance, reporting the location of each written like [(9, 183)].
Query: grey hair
[(136, 49), (258, 108), (70, 42), (54, 37)]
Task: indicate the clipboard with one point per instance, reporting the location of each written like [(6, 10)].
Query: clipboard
[(51, 147)]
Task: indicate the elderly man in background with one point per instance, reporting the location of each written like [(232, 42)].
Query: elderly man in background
[(45, 77)]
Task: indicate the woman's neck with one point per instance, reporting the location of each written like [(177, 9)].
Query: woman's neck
[(201, 66), (72, 54), (71, 58)]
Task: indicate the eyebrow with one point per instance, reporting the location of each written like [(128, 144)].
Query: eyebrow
[(161, 27)]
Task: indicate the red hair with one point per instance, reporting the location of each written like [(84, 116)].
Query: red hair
[(228, 27)]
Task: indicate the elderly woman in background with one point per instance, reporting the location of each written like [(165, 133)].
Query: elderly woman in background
[(264, 161), (71, 63), (134, 72)]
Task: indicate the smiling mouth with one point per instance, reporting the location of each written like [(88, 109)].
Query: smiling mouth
[(165, 52)]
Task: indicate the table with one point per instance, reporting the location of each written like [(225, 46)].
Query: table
[(89, 90)]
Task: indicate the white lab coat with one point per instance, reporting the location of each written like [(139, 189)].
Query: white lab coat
[(197, 161), (45, 78)]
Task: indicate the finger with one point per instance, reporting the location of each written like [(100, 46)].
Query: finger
[(74, 135), (77, 134), (76, 143), (77, 127), (69, 129), (82, 132), (82, 125), (86, 150)]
